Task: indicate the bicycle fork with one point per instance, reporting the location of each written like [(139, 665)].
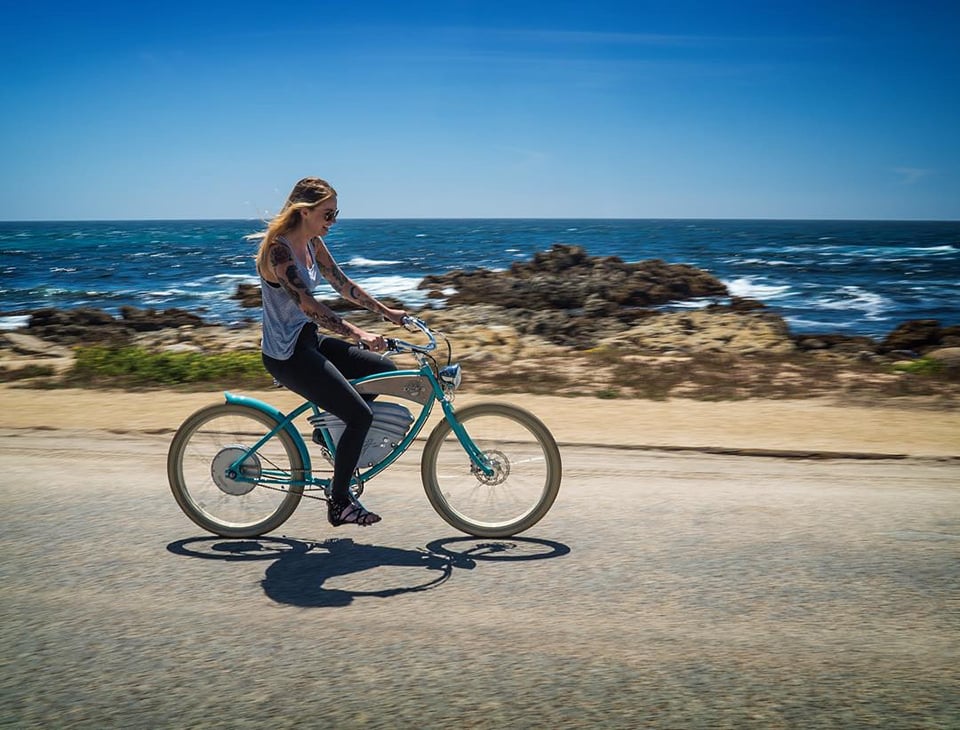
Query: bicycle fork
[(481, 463)]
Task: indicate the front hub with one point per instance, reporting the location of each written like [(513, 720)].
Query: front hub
[(499, 465)]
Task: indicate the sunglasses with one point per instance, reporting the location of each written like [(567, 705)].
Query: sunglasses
[(331, 215)]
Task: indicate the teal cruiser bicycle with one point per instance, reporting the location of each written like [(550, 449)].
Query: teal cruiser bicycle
[(239, 468)]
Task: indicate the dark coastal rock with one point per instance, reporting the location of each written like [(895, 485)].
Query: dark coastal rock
[(737, 304), (248, 295), (565, 277), (81, 316), (836, 343), (76, 326), (89, 325), (150, 320), (920, 336)]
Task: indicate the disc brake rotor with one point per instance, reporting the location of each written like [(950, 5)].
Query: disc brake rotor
[(500, 465)]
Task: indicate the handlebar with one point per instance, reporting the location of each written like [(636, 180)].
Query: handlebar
[(399, 346)]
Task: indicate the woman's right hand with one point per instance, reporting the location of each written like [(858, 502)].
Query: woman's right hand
[(395, 315), (372, 342)]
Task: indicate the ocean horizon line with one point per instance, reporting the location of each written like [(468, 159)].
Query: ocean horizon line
[(492, 218)]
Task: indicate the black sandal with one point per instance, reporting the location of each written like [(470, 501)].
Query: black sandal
[(350, 512)]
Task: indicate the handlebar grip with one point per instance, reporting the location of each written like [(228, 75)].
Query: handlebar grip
[(391, 344)]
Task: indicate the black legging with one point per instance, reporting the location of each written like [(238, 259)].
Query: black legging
[(318, 371)]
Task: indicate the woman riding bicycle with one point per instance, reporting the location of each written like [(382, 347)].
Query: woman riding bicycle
[(290, 262)]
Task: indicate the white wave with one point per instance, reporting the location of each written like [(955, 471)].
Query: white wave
[(226, 279), (689, 304), (14, 322), (255, 236), (803, 323), (218, 294), (159, 254), (363, 261), (167, 293), (749, 288), (403, 288), (853, 297), (915, 252), (855, 254), (761, 262)]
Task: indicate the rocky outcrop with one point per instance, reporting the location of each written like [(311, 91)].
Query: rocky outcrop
[(571, 299), (565, 277), (150, 320), (248, 295), (918, 336), (86, 325), (704, 331), (948, 358)]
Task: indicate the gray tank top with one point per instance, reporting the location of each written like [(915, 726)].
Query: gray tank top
[(282, 318)]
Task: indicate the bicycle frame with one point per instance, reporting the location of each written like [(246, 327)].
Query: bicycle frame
[(421, 386)]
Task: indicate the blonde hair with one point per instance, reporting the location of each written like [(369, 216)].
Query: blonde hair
[(307, 193)]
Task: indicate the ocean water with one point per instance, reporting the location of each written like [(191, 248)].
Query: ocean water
[(852, 277)]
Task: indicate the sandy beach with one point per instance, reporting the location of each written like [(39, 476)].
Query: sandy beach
[(807, 427)]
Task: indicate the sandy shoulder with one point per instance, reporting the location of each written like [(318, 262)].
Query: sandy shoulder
[(794, 426)]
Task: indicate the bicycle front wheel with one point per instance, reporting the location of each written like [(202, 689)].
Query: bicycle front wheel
[(246, 502), (523, 478)]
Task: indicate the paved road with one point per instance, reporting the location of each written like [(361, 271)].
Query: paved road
[(663, 590)]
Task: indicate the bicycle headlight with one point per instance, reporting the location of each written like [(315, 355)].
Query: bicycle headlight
[(451, 375)]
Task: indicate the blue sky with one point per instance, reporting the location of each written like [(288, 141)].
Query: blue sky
[(666, 109)]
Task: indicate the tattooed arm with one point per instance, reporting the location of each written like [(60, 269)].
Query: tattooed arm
[(285, 270), (347, 288)]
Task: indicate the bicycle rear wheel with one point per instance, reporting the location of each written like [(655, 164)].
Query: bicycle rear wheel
[(525, 462), (252, 502)]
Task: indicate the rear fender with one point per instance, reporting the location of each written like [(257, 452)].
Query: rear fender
[(244, 400)]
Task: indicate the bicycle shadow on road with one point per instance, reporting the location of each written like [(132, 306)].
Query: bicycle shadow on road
[(309, 574)]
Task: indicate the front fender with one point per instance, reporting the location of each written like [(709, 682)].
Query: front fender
[(245, 400)]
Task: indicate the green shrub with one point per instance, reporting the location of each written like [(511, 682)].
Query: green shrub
[(137, 366), (920, 366)]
